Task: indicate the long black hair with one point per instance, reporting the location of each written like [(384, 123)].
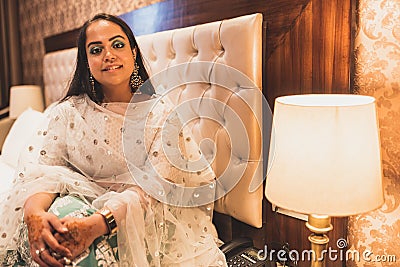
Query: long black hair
[(80, 83)]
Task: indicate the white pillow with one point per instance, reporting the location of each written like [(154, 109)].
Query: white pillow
[(20, 133)]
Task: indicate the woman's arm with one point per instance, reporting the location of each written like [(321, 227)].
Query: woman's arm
[(81, 233), (41, 228), (37, 203), (47, 231)]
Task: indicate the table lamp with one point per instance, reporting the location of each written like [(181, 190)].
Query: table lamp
[(324, 160), (23, 97)]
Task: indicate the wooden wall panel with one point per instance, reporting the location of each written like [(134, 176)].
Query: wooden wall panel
[(289, 67), (332, 53), (314, 57)]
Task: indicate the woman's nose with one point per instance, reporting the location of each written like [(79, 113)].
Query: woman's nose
[(109, 56)]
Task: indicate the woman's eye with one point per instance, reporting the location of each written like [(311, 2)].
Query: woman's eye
[(118, 44), (95, 50)]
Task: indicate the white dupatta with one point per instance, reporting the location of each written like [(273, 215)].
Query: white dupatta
[(92, 152)]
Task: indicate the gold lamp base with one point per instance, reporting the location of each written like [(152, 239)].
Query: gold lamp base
[(319, 225)]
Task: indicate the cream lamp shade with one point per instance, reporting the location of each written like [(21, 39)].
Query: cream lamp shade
[(23, 97), (325, 155)]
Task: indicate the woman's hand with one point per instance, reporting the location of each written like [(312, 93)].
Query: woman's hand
[(41, 227), (144, 198), (81, 233)]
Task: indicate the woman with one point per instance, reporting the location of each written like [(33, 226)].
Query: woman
[(89, 199)]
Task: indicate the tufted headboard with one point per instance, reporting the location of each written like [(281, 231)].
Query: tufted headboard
[(231, 49)]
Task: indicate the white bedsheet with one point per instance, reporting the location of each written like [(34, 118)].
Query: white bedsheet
[(6, 177)]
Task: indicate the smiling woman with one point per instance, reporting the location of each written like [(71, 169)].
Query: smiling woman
[(109, 62)]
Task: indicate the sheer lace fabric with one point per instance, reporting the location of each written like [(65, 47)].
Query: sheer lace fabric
[(82, 149)]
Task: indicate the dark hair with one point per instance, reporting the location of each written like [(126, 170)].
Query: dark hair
[(80, 83)]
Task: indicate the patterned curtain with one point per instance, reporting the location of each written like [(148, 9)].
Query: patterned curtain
[(376, 235)]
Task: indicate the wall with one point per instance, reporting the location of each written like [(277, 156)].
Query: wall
[(314, 57), (377, 73), (41, 18)]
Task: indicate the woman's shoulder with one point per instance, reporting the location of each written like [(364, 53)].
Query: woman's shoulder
[(66, 106), (73, 102)]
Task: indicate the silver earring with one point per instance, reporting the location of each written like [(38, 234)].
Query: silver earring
[(91, 80), (136, 80)]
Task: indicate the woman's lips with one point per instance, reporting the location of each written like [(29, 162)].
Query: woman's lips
[(111, 68)]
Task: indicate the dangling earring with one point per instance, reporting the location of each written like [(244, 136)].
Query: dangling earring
[(136, 80), (91, 80)]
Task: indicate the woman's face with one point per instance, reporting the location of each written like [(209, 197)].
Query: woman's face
[(110, 58)]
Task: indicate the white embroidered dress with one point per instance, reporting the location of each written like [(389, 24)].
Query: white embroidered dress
[(100, 153)]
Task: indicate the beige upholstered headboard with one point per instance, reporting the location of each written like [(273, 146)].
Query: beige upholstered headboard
[(236, 43)]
